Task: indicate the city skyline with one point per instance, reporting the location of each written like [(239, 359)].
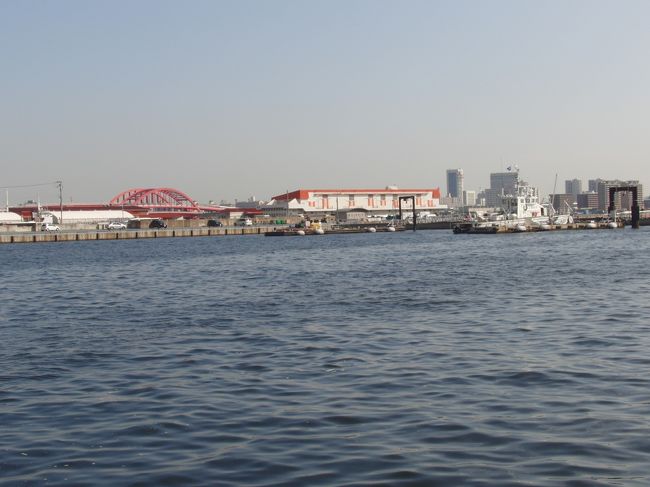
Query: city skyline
[(44, 192), (225, 100)]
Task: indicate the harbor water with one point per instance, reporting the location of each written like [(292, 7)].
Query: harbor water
[(404, 358)]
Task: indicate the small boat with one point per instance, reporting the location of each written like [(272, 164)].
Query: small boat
[(613, 221), (372, 229), (592, 224), (474, 229)]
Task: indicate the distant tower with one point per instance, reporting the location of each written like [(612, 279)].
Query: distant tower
[(573, 186), (593, 185), (500, 183), (455, 183), (504, 181)]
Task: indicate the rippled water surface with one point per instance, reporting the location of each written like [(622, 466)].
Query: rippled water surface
[(400, 359)]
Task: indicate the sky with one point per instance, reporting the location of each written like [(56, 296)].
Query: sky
[(226, 100)]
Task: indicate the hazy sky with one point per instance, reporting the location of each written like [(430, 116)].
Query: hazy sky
[(228, 99)]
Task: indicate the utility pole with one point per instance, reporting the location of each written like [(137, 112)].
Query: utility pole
[(337, 208), (60, 184)]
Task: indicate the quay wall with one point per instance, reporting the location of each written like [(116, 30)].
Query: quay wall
[(72, 236)]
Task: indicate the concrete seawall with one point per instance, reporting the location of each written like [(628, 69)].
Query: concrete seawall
[(42, 237)]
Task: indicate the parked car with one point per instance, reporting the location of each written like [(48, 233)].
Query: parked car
[(157, 224), (244, 222), (50, 227), (116, 226), (215, 223)]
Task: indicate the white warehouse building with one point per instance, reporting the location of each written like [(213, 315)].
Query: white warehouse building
[(374, 201)]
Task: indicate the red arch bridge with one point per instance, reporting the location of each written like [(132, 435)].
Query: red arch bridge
[(160, 203)]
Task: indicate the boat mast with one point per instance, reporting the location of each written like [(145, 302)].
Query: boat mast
[(553, 197)]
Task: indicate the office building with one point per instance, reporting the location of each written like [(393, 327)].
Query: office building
[(469, 198), (588, 200), (455, 183), (593, 185), (573, 187), (503, 182)]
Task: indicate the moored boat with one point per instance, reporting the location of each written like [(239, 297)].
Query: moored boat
[(519, 212)]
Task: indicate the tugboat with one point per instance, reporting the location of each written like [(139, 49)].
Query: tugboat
[(520, 212)]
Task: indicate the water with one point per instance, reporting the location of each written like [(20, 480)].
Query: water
[(400, 359)]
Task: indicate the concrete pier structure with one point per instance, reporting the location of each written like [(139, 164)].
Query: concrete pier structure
[(74, 236)]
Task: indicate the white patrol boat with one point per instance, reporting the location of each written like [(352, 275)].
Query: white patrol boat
[(520, 212)]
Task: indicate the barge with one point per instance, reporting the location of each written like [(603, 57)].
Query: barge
[(468, 228), (301, 232)]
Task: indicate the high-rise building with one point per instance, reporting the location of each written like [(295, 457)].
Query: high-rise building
[(503, 182), (455, 183), (593, 185), (469, 198), (573, 186)]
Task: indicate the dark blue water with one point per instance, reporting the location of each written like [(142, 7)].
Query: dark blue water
[(396, 359)]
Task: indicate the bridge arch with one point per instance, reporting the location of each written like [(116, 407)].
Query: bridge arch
[(156, 198)]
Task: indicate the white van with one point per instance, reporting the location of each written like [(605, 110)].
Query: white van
[(244, 222)]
